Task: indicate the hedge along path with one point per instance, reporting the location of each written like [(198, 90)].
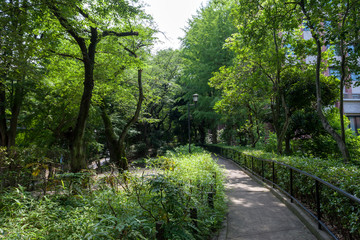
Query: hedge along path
[(254, 212)]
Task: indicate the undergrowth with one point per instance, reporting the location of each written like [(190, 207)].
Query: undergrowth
[(126, 206)]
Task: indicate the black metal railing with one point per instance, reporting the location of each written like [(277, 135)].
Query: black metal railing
[(335, 210)]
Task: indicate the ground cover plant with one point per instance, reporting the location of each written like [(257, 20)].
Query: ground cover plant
[(340, 213), (124, 206)]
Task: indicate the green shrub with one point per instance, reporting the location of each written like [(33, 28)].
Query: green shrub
[(184, 150), (126, 206)]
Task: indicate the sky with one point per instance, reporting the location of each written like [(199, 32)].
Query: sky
[(171, 17)]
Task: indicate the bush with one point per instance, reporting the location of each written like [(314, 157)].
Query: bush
[(27, 166), (184, 150), (126, 206)]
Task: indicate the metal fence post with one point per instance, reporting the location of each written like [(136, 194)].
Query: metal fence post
[(273, 173), (318, 210), (252, 163), (291, 185)]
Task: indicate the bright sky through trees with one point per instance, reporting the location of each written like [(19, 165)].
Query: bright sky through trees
[(172, 17)]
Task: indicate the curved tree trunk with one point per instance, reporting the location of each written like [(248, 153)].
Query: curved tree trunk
[(88, 51), (117, 144), (123, 163), (77, 145), (340, 142)]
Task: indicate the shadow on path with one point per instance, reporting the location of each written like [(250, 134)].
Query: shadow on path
[(255, 213)]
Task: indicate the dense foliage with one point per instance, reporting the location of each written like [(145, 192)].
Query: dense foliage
[(126, 206), (81, 89), (279, 76)]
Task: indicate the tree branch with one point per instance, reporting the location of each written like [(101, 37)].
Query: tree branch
[(67, 55), (65, 23), (121, 34)]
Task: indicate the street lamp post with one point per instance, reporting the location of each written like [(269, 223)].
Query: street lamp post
[(195, 99)]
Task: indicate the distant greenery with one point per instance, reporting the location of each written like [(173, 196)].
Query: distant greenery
[(125, 206)]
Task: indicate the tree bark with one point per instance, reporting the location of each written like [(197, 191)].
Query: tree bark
[(278, 101), (3, 125), (77, 145), (342, 83), (15, 111), (111, 138)]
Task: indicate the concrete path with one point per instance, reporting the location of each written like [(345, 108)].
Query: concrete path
[(255, 213)]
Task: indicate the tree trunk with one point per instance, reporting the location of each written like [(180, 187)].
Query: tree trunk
[(279, 100), (123, 163), (257, 138), (214, 135), (287, 144), (340, 142), (344, 75), (88, 51), (15, 111), (111, 138), (77, 145), (8, 136), (3, 125), (202, 133)]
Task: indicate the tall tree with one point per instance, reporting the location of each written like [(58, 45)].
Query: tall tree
[(262, 46), (332, 21), (161, 88), (20, 62), (87, 23), (203, 54), (244, 99), (119, 91)]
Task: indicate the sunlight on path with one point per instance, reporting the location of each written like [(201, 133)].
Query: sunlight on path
[(255, 213)]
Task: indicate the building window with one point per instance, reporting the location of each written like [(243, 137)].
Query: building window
[(355, 124)]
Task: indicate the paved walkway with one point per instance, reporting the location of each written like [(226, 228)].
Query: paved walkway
[(255, 213)]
